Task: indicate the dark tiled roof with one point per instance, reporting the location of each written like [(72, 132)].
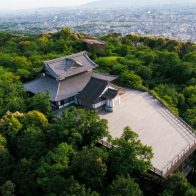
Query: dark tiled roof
[(94, 41), (72, 86), (65, 67), (93, 90), (103, 76), (110, 94), (43, 84), (59, 90)]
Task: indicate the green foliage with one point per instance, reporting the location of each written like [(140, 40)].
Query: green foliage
[(40, 102), (6, 164), (43, 155), (190, 116), (53, 164), (124, 186), (168, 93), (24, 173), (30, 143), (19, 64), (183, 72), (84, 127), (178, 185), (8, 188), (59, 155), (131, 80), (89, 167), (11, 92), (129, 155)]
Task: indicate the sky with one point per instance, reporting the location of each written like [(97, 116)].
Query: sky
[(6, 5), (29, 4)]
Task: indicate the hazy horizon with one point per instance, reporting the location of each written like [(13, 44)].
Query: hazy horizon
[(33, 4), (9, 5)]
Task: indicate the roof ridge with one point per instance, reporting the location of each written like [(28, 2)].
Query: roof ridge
[(57, 92), (111, 89), (115, 86), (67, 56), (52, 71), (37, 78), (92, 77), (94, 39), (106, 74), (88, 58)]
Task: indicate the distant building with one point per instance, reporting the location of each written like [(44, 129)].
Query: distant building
[(93, 43), (71, 80)]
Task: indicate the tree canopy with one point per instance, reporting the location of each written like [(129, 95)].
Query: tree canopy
[(41, 154)]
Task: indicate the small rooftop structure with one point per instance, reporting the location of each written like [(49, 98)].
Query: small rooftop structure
[(94, 41)]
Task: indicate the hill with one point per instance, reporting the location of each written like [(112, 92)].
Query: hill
[(44, 155)]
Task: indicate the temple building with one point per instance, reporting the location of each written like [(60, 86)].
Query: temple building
[(72, 80), (94, 44)]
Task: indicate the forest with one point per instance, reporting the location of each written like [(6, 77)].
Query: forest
[(41, 154)]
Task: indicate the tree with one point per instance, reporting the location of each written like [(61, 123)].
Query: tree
[(34, 118), (177, 184), (3, 141), (55, 163), (24, 176), (129, 155), (6, 160), (40, 102), (190, 116), (11, 93), (8, 189), (183, 72), (148, 56), (31, 143), (84, 127), (145, 72), (130, 79), (124, 186), (190, 94), (61, 186), (10, 126), (6, 164), (168, 93), (190, 57), (167, 59), (89, 167), (24, 133), (14, 63)]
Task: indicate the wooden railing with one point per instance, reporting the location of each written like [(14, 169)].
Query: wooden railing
[(172, 165), (183, 123), (178, 160), (189, 129), (105, 143)]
